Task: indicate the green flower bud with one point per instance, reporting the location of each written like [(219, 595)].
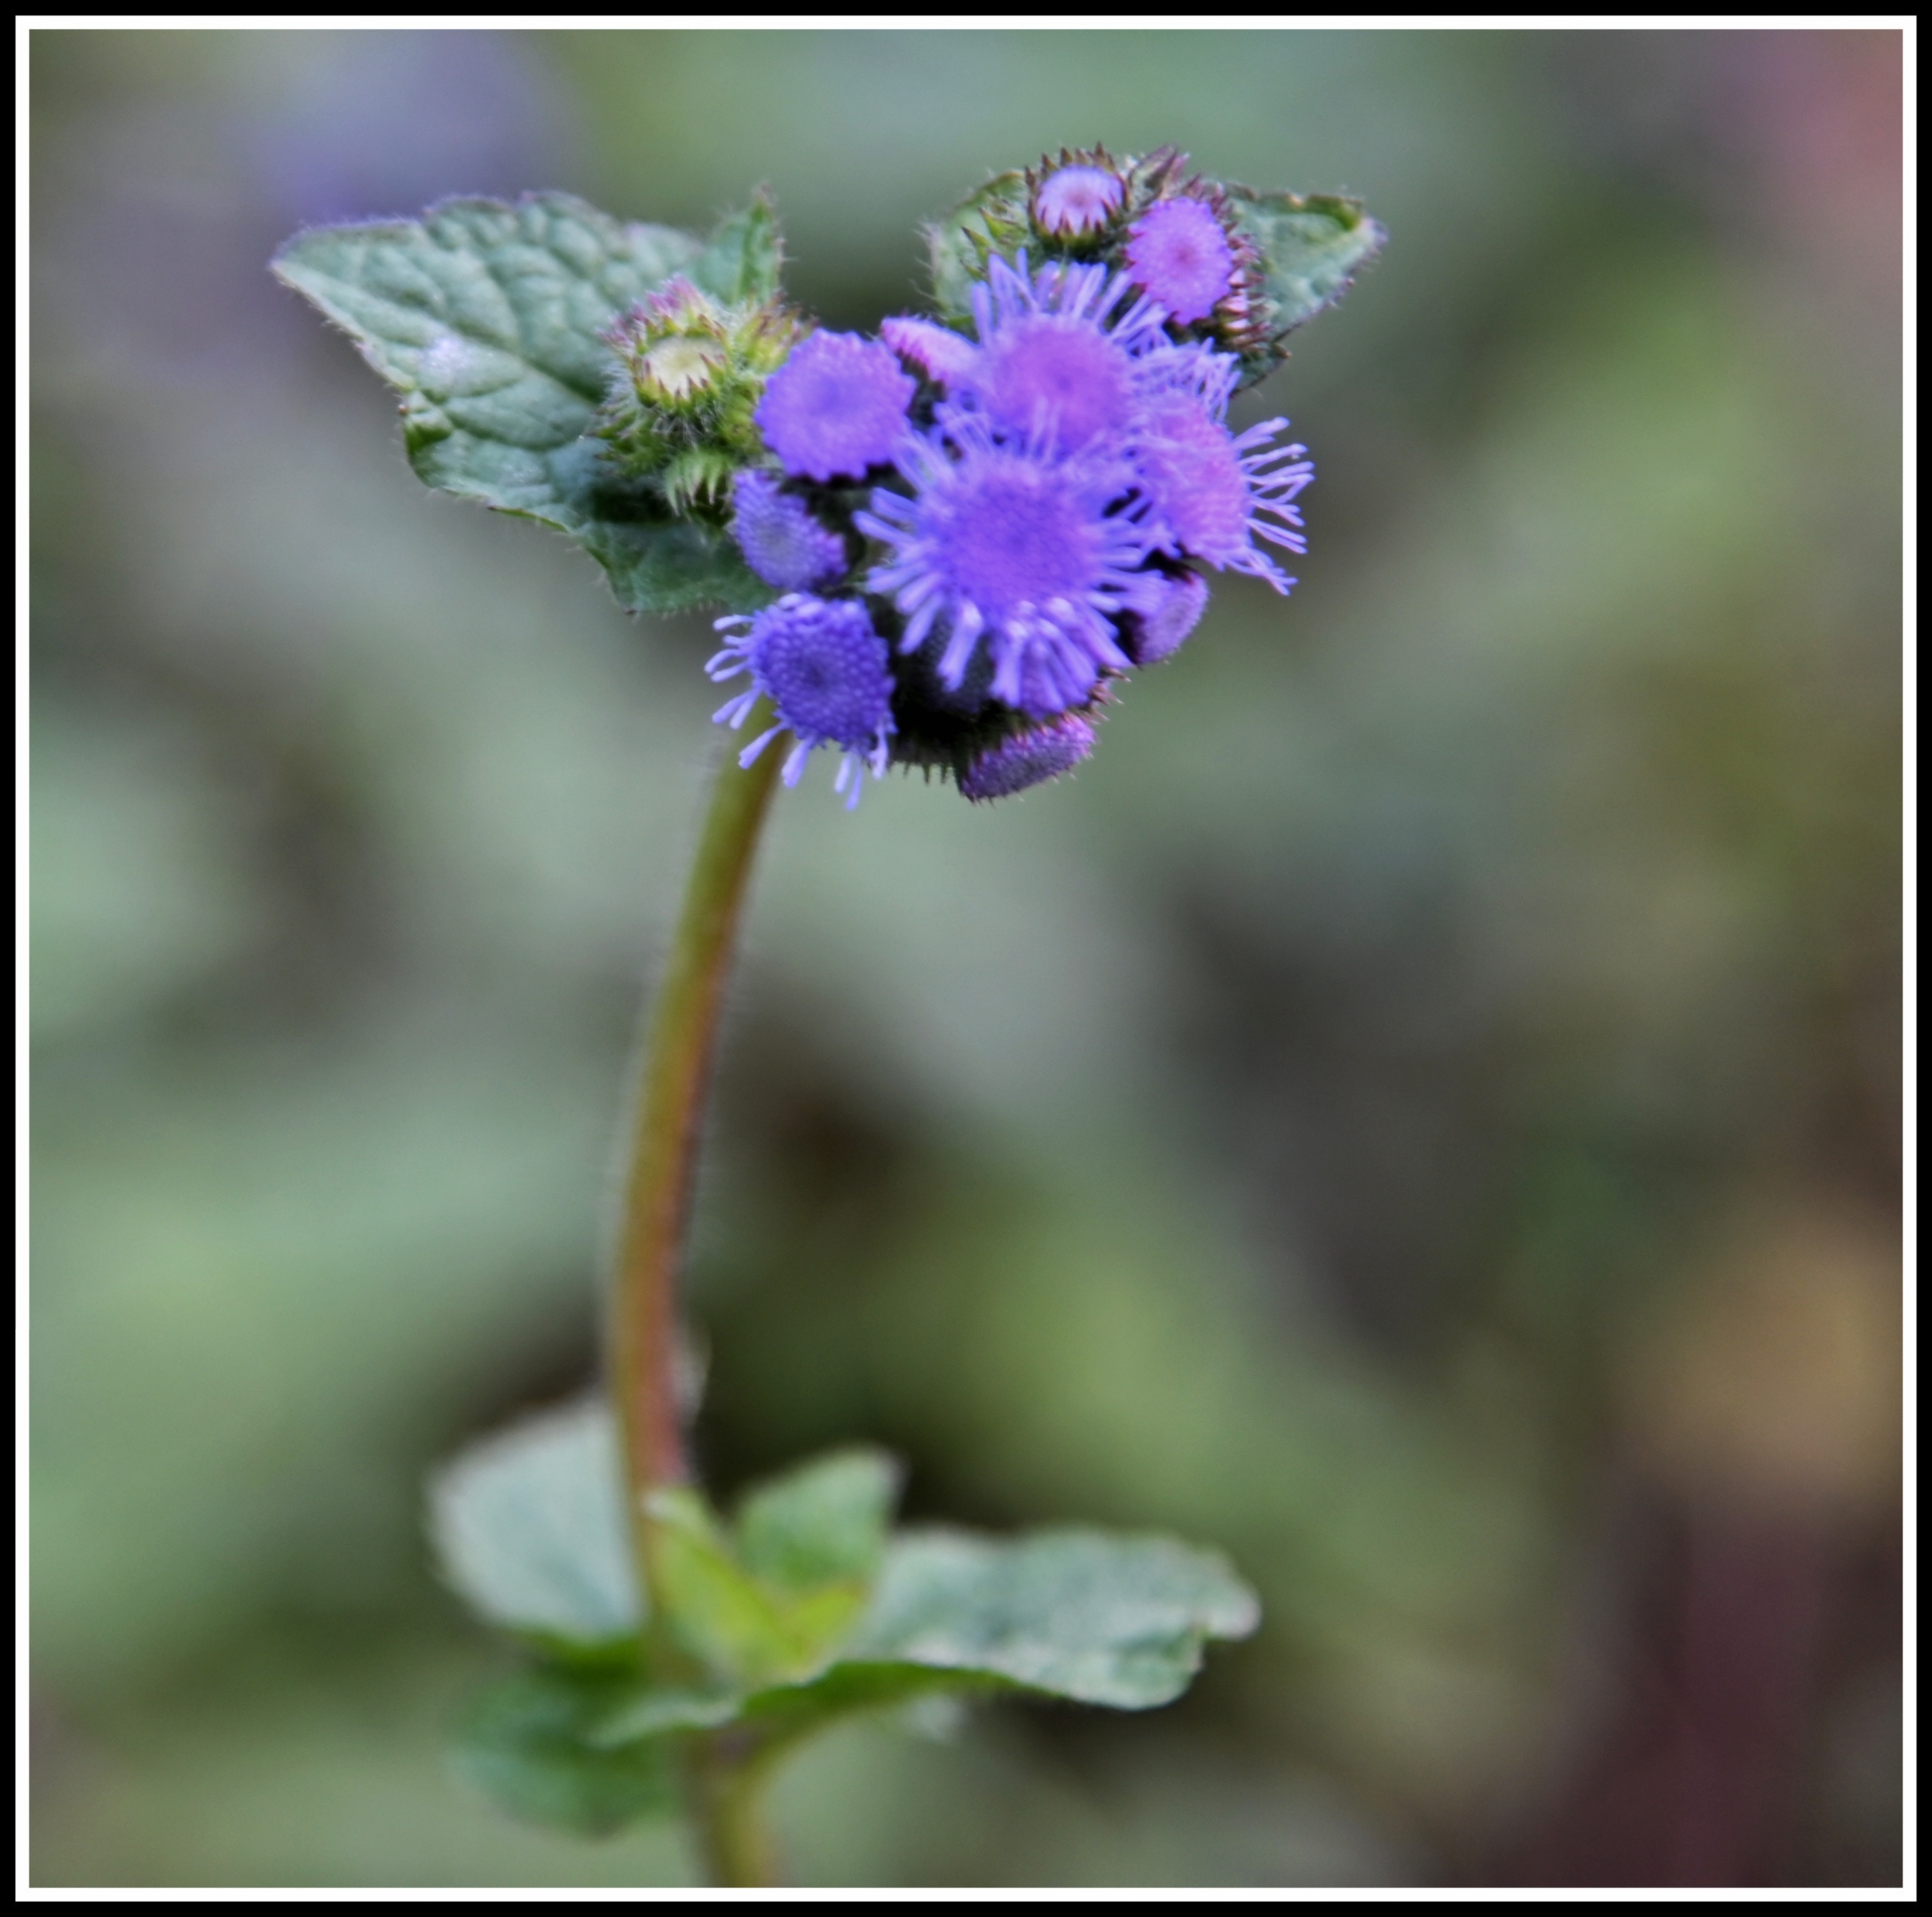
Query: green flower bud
[(687, 381)]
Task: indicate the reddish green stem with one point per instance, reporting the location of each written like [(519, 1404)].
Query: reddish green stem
[(722, 1781), (676, 1070)]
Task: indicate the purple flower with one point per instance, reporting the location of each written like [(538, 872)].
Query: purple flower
[(1210, 494), (781, 540), (1029, 553), (1056, 358), (828, 673), (1213, 493), (1177, 253), (1077, 200), (939, 353), (835, 407), (1028, 757), (1055, 379)]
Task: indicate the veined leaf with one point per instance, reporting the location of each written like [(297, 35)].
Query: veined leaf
[(1311, 249), (485, 315)]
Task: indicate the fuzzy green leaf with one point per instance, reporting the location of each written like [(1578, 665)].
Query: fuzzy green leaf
[(741, 264), (992, 219), (528, 1526), (526, 1740), (485, 316), (1117, 1621), (1311, 249), (825, 1523), (647, 1712)]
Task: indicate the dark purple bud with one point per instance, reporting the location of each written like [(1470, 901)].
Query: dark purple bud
[(1028, 757)]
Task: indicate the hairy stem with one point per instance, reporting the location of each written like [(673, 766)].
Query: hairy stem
[(675, 1069)]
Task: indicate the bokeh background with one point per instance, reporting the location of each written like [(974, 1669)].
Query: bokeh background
[(1421, 1110)]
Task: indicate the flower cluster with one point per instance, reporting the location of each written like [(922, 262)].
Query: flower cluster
[(978, 523)]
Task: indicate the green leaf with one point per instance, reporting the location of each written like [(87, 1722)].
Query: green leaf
[(1118, 1621), (526, 1740), (990, 219), (528, 1526), (741, 265), (721, 1613), (485, 316), (804, 1612), (825, 1523), (1115, 1620), (747, 1631), (1311, 250), (648, 1714)]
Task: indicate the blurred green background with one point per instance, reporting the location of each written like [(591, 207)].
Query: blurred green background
[(1419, 1110)]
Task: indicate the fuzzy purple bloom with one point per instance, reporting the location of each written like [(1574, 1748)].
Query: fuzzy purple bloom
[(1028, 757), (1057, 380), (835, 407), (1077, 200), (1032, 555), (1177, 253), (781, 540), (827, 672), (939, 353), (1056, 364), (1210, 494)]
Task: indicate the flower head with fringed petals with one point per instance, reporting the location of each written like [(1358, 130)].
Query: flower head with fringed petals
[(828, 676)]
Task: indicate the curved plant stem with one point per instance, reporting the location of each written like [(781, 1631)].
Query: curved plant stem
[(722, 1781), (642, 1360)]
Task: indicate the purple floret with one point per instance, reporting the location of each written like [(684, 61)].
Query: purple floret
[(1000, 544), (836, 407), (1214, 493), (827, 672), (1054, 379), (1178, 255), (1211, 495), (1059, 359), (781, 540)]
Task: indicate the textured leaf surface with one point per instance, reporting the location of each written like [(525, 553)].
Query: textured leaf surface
[(484, 315), (526, 1740), (1076, 1613), (1311, 249), (528, 1526)]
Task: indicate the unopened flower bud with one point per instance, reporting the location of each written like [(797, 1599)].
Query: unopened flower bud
[(679, 413)]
